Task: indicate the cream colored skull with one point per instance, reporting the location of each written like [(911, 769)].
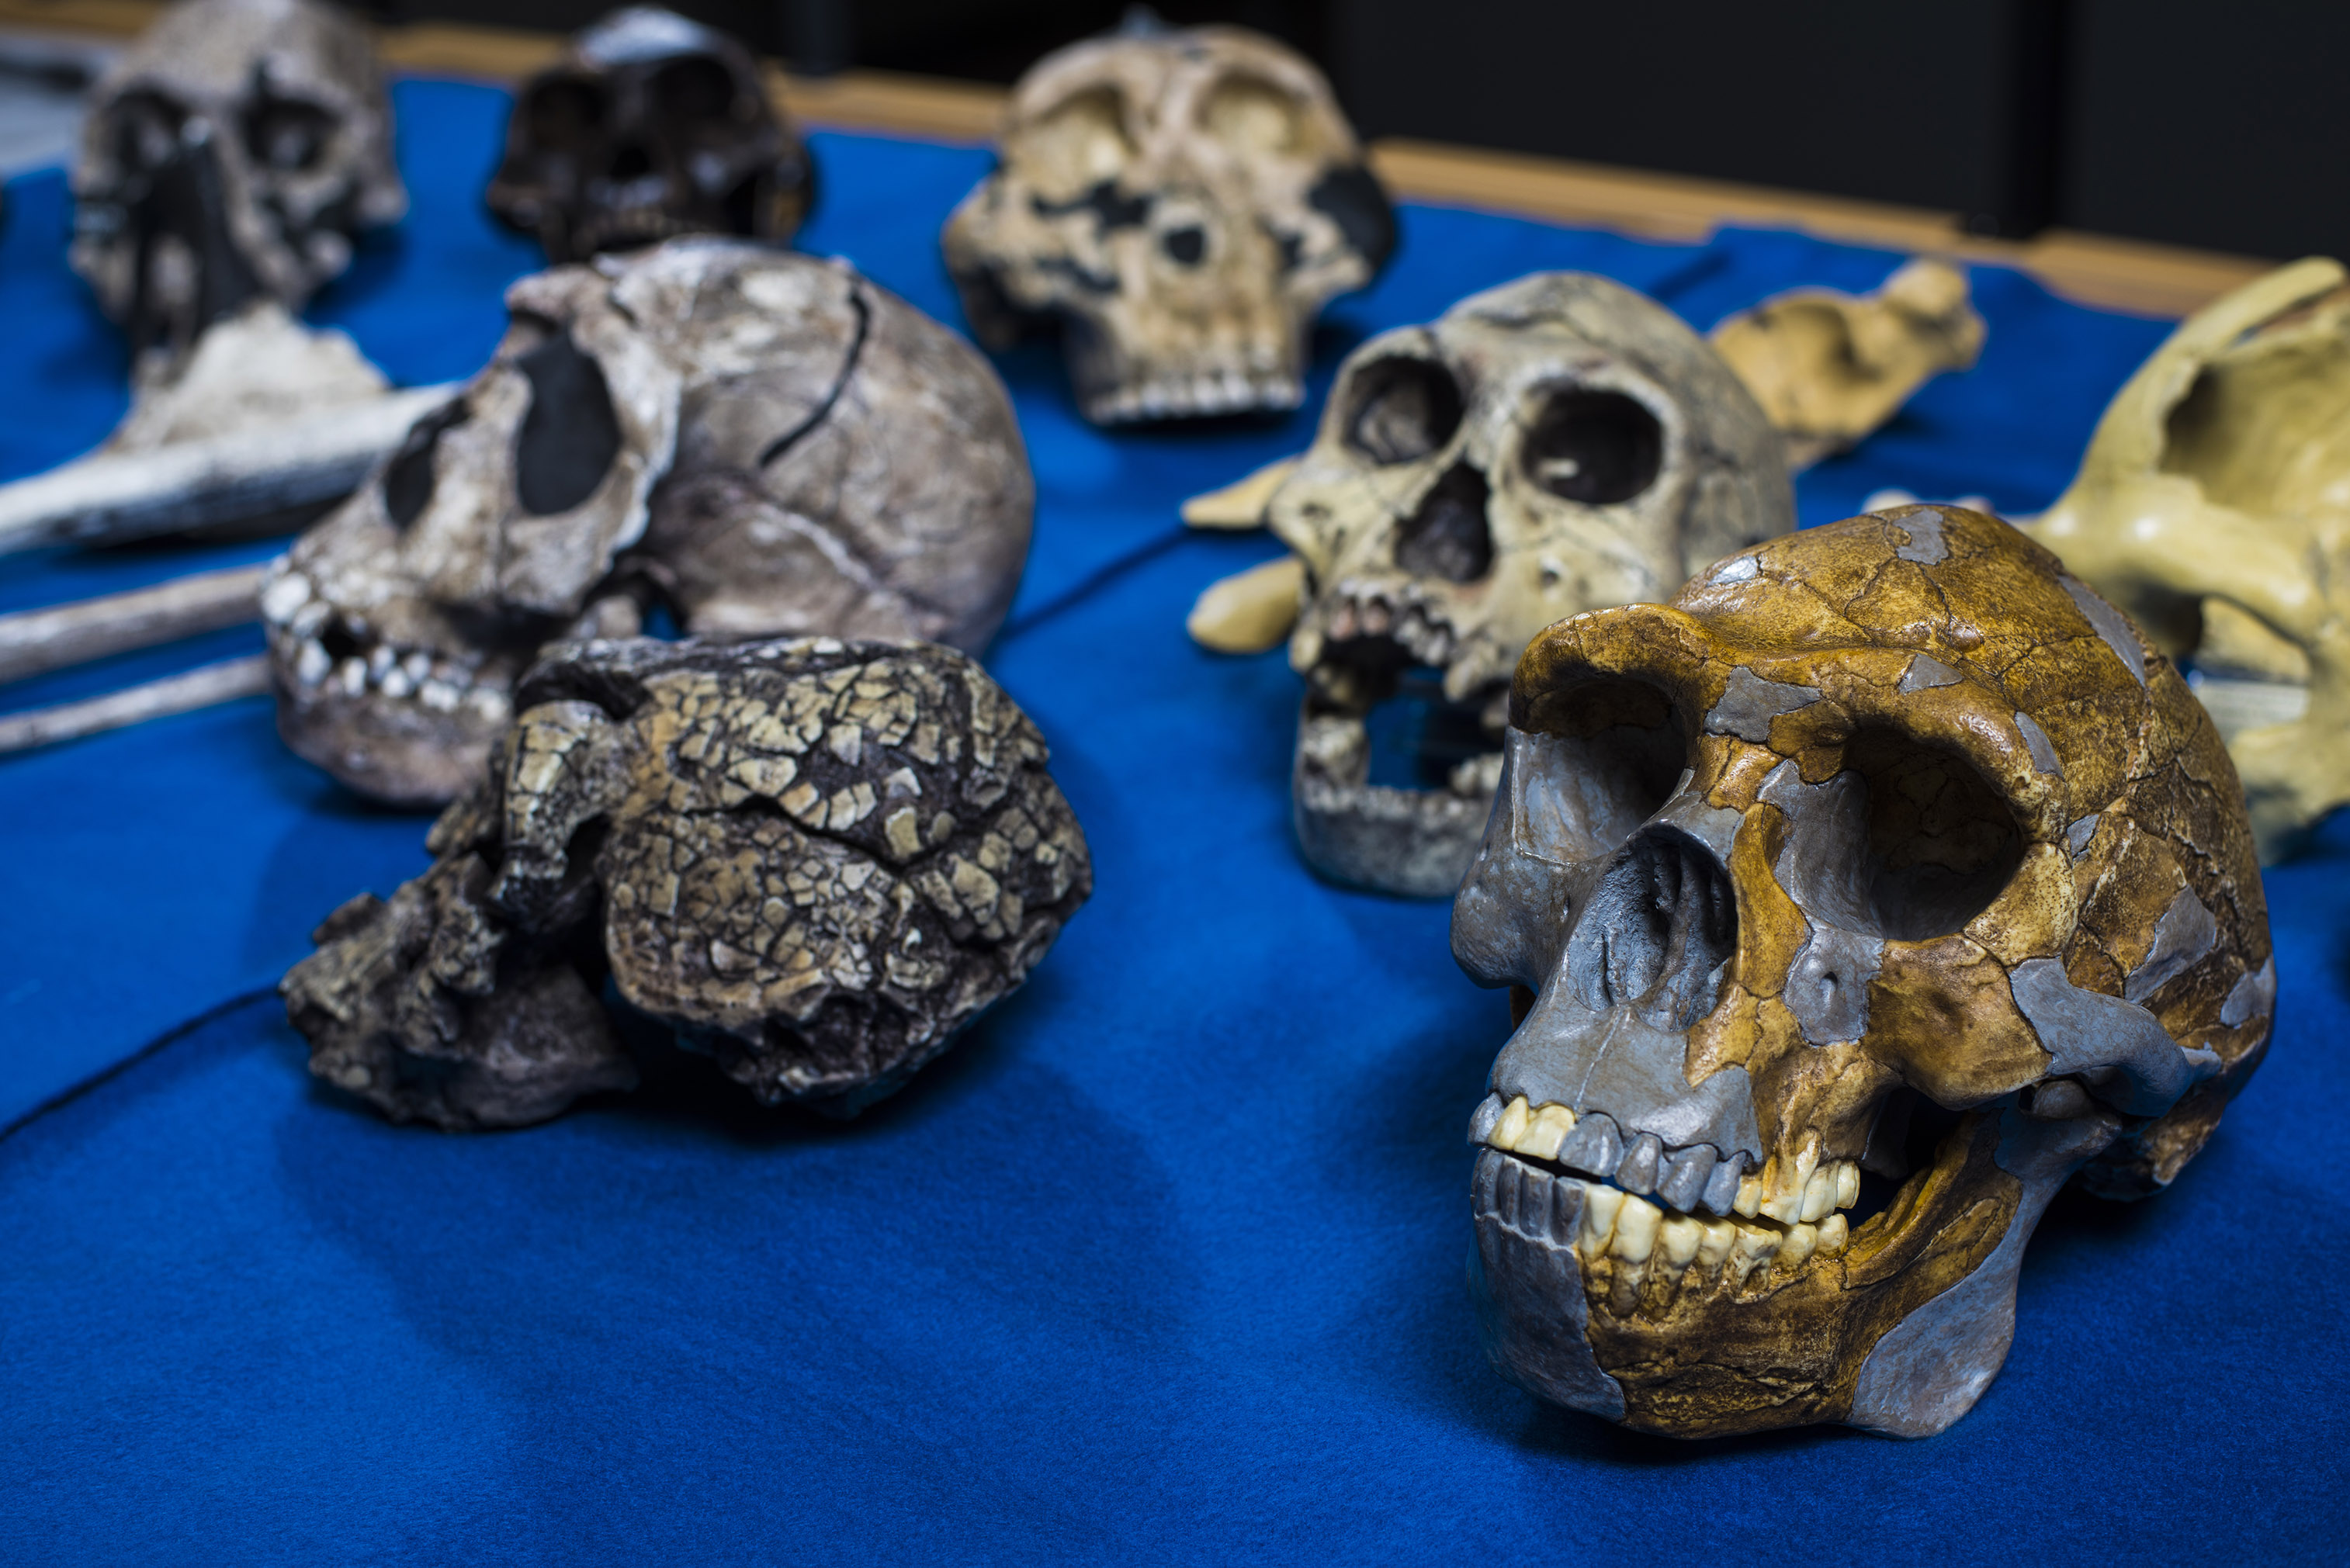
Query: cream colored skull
[(1544, 448), (2214, 506), (1887, 847), (1182, 203)]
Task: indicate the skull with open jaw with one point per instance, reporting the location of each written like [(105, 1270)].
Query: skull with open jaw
[(1884, 847), (1544, 448), (766, 443)]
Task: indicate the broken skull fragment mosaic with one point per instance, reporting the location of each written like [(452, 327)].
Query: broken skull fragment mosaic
[(1883, 881), (816, 861)]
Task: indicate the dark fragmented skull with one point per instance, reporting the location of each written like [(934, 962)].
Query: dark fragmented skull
[(230, 154), (1884, 847), (1181, 204), (1550, 446), (764, 443), (651, 126), (816, 861)]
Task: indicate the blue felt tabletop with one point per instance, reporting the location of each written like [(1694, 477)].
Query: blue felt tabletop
[(1162, 1262)]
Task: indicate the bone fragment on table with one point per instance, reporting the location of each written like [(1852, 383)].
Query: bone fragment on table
[(33, 642), (1242, 503), (205, 687), (1830, 368), (1249, 611)]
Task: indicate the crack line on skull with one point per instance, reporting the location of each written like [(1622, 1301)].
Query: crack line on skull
[(817, 416)]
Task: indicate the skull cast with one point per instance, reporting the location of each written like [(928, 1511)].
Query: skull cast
[(1884, 847), (229, 156), (1547, 447), (816, 861), (2214, 505), (650, 126), (1181, 203), (764, 443)]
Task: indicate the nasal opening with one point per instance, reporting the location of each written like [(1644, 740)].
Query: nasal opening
[(1446, 536), (1658, 933)]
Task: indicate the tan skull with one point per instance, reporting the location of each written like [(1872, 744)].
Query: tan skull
[(1544, 448), (230, 154), (2214, 506), (1182, 203), (1883, 847)]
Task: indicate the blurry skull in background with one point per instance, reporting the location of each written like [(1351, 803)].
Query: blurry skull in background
[(1181, 203), (230, 156), (1557, 444), (760, 443), (651, 126)]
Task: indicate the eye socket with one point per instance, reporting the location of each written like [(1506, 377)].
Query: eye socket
[(1937, 842), (287, 134), (1076, 145), (1401, 410), (692, 97), (146, 130), (1611, 756), (1254, 118), (570, 436), (1595, 447), (408, 477), (562, 114)]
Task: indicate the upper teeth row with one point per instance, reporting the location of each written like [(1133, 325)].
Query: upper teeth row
[(438, 681), (1371, 610), (1221, 392), (1798, 1189)]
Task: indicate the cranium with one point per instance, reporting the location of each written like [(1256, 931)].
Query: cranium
[(2214, 506), (651, 126), (230, 154), (1884, 847), (1182, 203), (816, 861), (1555, 444), (762, 443)]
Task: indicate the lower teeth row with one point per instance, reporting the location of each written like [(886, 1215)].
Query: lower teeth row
[(438, 684)]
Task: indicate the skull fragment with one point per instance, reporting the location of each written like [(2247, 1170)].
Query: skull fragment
[(762, 443), (816, 861), (230, 155), (650, 126), (1884, 851), (1544, 448), (2214, 506), (1181, 203)]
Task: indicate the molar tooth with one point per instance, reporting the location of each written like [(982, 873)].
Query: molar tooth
[(1715, 1238), (1834, 1231), (1798, 1246), (1552, 1124), (1751, 1250), (1592, 1147), (1512, 1124), (1819, 1195), (1483, 1120), (1681, 1237), (1683, 1183), (1601, 1206), (1636, 1230), (1847, 1183), (1636, 1172)]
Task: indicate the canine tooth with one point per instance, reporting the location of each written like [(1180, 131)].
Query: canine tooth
[(1785, 1203), (1636, 1230), (1715, 1238), (284, 595), (1798, 1246), (438, 695), (1637, 1171), (1680, 1236), (351, 675), (1601, 1205), (1684, 1179), (310, 665), (1847, 1183), (1752, 1249), (1593, 1147), (1819, 1195), (1552, 1124), (1512, 1124), (1748, 1200), (1834, 1231), (1483, 1120)]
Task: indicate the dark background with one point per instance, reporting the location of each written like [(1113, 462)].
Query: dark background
[(2197, 122)]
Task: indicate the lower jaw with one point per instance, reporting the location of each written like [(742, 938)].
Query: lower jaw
[(400, 756), (1417, 843)]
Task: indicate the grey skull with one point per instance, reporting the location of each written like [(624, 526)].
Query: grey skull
[(1181, 204), (230, 155), (1554, 446), (762, 443)]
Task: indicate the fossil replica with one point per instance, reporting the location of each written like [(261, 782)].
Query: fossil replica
[(1547, 447), (2214, 506), (230, 156), (1886, 850), (816, 861), (650, 126), (1181, 202), (762, 442)]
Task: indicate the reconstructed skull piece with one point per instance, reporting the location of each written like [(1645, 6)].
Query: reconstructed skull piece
[(651, 126), (2214, 505), (1885, 853), (815, 860), (764, 443), (1547, 447), (1181, 202), (230, 155)]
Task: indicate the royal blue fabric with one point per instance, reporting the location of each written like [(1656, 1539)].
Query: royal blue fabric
[(1161, 1263)]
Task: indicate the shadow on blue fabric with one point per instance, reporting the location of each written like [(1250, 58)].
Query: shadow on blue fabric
[(1163, 1263)]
